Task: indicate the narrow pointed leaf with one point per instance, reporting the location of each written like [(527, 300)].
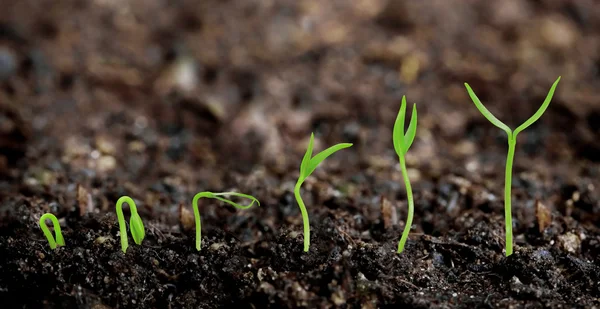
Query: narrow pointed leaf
[(398, 133), (540, 111), (412, 130), (306, 158), (486, 113), (321, 156), (234, 204)]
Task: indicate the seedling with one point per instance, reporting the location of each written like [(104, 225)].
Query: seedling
[(60, 241), (402, 143), (135, 223), (512, 141), (219, 197), (308, 165)]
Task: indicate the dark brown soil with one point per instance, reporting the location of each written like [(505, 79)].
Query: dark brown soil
[(160, 99)]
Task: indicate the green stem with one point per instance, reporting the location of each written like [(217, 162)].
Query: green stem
[(411, 206), (512, 141), (305, 220), (197, 218)]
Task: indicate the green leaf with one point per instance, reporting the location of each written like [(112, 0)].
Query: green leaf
[(234, 204), (412, 130), (486, 113), (321, 156), (306, 158), (137, 228), (540, 111), (398, 132)]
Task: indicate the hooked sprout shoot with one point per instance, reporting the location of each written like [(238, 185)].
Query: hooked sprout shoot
[(512, 141), (402, 143), (308, 165), (135, 223), (219, 197), (60, 241)]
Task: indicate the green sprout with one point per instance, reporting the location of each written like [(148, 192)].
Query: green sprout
[(512, 141), (308, 165), (135, 223), (217, 196), (402, 143), (60, 241)]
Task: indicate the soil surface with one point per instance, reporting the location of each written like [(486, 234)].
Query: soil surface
[(159, 100)]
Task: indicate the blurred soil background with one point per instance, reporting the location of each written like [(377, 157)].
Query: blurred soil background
[(160, 99)]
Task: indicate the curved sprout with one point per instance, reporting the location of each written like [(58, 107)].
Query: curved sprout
[(217, 196), (135, 223), (59, 237)]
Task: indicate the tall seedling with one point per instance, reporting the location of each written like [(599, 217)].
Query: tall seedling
[(512, 141), (402, 143)]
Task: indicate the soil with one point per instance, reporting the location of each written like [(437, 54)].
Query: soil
[(159, 100)]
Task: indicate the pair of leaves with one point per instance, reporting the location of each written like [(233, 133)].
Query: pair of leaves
[(135, 223), (217, 196), (489, 116), (60, 241), (402, 141), (310, 163)]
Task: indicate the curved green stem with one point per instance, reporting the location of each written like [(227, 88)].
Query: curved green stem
[(121, 218), (51, 241), (197, 218), (305, 220), (217, 196), (411, 205), (512, 141)]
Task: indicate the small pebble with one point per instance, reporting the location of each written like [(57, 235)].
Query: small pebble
[(8, 63)]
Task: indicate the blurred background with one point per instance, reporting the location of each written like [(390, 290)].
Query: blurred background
[(181, 96)]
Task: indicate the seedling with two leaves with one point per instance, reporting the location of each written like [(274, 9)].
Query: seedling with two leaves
[(402, 142), (512, 142), (307, 167)]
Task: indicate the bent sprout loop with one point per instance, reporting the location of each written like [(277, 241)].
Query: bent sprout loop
[(512, 142), (402, 143), (135, 223), (219, 197), (307, 167), (59, 241)]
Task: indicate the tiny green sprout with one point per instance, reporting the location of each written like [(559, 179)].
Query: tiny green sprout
[(217, 196), (60, 241), (512, 141), (402, 143), (135, 223), (308, 165)]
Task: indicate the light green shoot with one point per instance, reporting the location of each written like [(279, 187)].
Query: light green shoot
[(60, 241), (308, 165), (402, 143), (219, 197), (135, 223), (512, 141)]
